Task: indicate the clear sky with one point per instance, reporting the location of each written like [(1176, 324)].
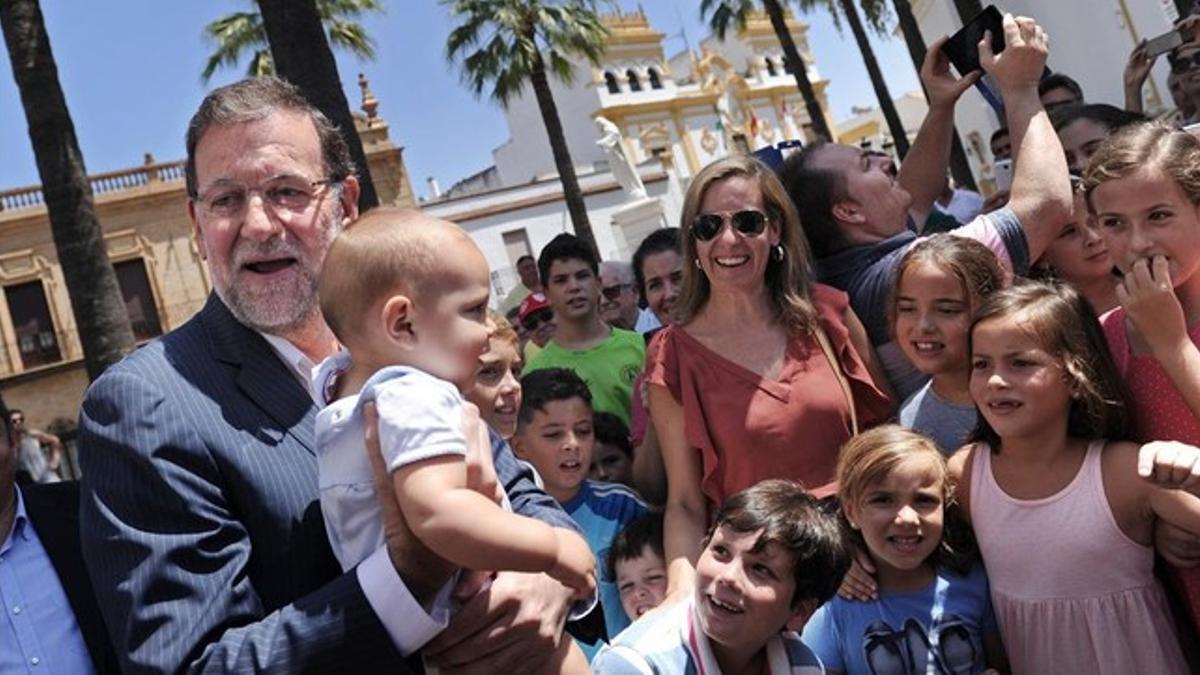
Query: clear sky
[(130, 70)]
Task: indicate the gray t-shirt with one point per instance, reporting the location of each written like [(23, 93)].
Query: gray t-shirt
[(866, 274), (948, 424)]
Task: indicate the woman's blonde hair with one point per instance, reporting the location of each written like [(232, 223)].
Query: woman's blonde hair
[(868, 458), (503, 329), (787, 280), (1152, 145)]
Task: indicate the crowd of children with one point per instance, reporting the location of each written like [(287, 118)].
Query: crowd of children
[(1008, 523)]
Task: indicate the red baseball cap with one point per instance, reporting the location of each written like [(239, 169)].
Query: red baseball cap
[(532, 303)]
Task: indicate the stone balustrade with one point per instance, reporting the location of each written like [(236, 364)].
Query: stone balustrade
[(102, 183)]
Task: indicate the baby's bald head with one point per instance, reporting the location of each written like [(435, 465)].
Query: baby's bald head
[(389, 250)]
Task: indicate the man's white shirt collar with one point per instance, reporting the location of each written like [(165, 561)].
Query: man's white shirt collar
[(296, 360)]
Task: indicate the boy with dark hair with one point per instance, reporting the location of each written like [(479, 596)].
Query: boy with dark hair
[(637, 564), (613, 459), (555, 433), (607, 358), (771, 558)]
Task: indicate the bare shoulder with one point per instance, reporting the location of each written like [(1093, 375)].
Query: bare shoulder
[(1119, 461), (960, 462)]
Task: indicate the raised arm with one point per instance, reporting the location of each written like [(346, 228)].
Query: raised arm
[(1136, 72), (1173, 471), (50, 441), (685, 513), (1151, 305), (923, 172), (1041, 188)]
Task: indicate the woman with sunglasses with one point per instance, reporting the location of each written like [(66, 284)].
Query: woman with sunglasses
[(765, 374)]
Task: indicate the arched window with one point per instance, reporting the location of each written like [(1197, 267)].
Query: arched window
[(655, 82), (610, 80), (634, 83), (770, 66)]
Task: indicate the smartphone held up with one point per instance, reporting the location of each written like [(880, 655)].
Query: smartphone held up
[(962, 49)]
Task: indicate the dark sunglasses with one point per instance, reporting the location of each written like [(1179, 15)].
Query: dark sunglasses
[(1182, 63), (749, 222), (531, 322), (613, 292)]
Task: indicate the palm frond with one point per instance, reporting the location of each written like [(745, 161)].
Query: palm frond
[(500, 43), (233, 36), (352, 37), (725, 14), (262, 64), (347, 9)]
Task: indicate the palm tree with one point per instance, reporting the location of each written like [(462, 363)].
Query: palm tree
[(960, 167), (502, 44), (725, 13), (100, 315), (234, 34), (875, 12), (302, 56)]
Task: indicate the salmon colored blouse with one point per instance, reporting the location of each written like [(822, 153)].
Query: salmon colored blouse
[(748, 428)]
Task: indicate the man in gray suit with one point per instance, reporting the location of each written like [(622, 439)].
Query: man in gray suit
[(200, 518)]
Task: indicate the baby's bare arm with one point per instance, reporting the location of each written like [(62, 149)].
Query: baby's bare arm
[(472, 531)]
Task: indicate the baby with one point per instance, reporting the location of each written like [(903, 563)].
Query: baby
[(407, 297)]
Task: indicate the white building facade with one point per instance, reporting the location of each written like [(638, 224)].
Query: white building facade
[(674, 115)]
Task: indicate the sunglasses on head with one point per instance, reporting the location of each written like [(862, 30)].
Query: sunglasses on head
[(748, 222), (613, 292), (544, 315)]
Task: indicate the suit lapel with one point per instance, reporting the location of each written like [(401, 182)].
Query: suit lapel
[(262, 376)]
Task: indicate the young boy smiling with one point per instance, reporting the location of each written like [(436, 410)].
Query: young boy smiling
[(771, 558), (556, 434)]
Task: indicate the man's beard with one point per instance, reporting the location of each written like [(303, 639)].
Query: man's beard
[(292, 303)]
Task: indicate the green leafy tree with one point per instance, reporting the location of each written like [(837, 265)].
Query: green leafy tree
[(236, 34), (725, 14), (503, 44), (100, 314)]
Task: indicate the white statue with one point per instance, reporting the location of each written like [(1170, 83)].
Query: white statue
[(622, 169)]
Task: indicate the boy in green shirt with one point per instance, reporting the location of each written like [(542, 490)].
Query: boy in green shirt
[(607, 358)]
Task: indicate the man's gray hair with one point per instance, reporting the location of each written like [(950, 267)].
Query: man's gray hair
[(254, 99), (622, 269)]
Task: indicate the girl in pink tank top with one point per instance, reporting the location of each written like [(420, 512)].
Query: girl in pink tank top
[(1064, 519)]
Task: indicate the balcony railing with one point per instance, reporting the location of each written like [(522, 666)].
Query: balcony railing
[(102, 183)]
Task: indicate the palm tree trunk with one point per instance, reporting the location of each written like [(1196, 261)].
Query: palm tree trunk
[(799, 70), (562, 155), (886, 104), (302, 56), (100, 315), (960, 167)]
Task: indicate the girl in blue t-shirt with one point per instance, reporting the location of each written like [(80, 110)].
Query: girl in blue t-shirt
[(933, 613), (939, 283)]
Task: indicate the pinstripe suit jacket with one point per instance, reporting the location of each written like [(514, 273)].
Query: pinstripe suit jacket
[(200, 520)]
